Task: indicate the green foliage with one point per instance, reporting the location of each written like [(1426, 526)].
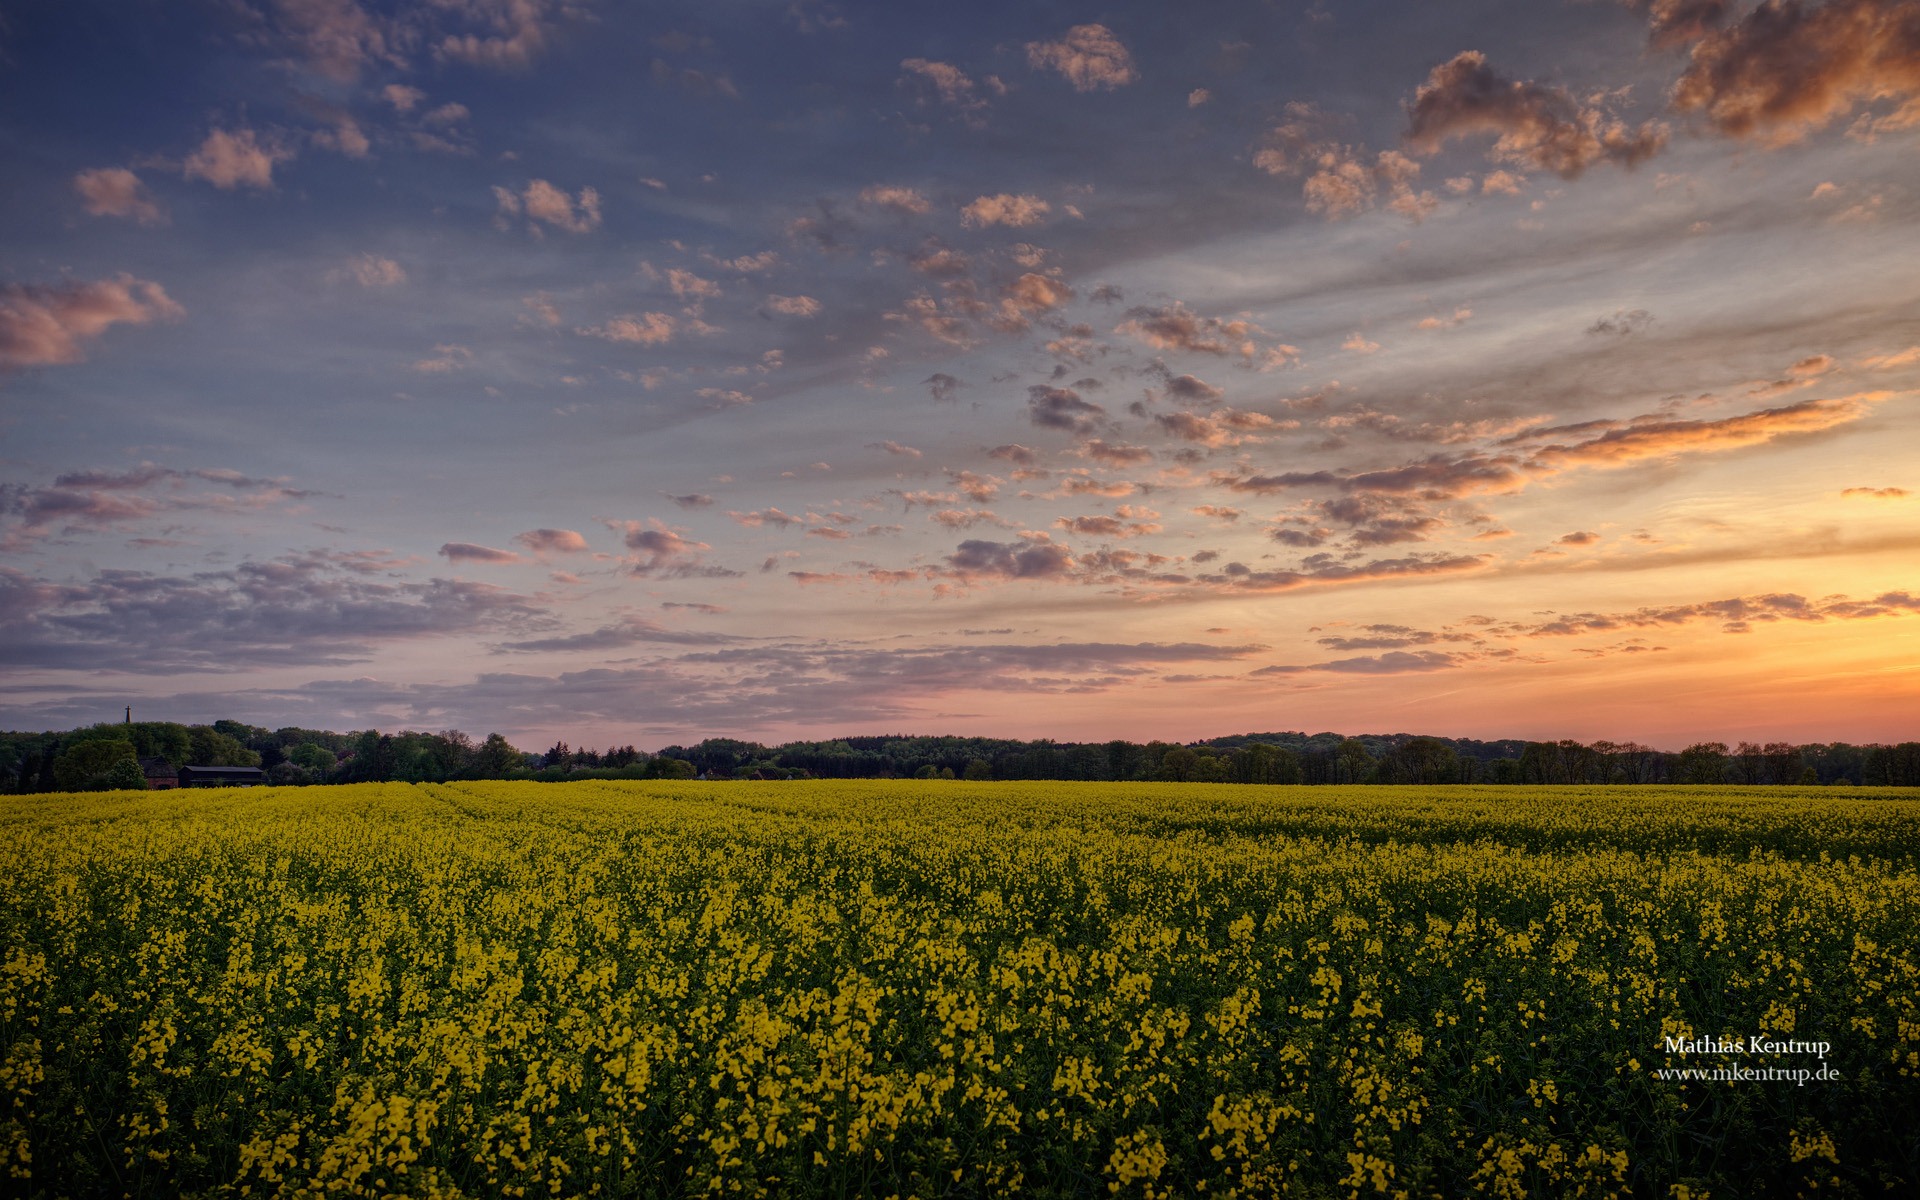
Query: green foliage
[(209, 747), (124, 775), (662, 767), (312, 758), (81, 766)]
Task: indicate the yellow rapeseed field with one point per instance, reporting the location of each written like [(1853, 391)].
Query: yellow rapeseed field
[(929, 989)]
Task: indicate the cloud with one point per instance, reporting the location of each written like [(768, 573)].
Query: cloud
[(646, 329), (1737, 614), (446, 358), (1175, 327), (295, 610), (336, 38), (1535, 126), (1786, 69), (1384, 637), (949, 85), (627, 631), (230, 160), (1502, 183), (1395, 662), (1219, 512), (1342, 182), (794, 306), (371, 271), (117, 192), (1678, 21), (508, 34), (1377, 520), (541, 202), (1116, 455), (1015, 453), (41, 325), (895, 448), (939, 261), (552, 541), (1613, 444), (1062, 408), (469, 552), (1187, 388), (898, 199), (964, 518), (1089, 56), (943, 387), (976, 559), (1663, 439), (1033, 293), (1191, 427), (1004, 209), (345, 137), (766, 516), (1878, 493), (662, 551), (1581, 537), (1460, 317), (1323, 570), (1622, 322), (740, 688), (1100, 525), (692, 500), (1359, 344)]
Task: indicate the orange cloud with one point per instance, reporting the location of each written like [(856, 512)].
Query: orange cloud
[(542, 202), (1784, 70), (1004, 209), (552, 541), (117, 192), (42, 325), (1089, 56), (469, 552), (231, 160), (1535, 126)]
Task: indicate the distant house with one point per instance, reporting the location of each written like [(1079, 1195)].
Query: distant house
[(159, 773), (222, 777)]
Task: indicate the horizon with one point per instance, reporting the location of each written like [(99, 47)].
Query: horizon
[(843, 736), (552, 368)]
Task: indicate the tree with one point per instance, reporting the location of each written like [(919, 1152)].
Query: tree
[(1179, 764), (212, 748), (1420, 760), (978, 770), (662, 767), (124, 775), (498, 757), (312, 758), (1702, 762), (82, 765), (1351, 762)]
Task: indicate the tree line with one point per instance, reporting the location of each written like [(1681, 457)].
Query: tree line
[(109, 756)]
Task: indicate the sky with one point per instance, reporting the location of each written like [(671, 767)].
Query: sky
[(643, 373)]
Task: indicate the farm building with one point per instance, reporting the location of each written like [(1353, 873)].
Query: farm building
[(160, 773)]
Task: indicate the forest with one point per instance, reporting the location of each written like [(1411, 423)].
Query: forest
[(109, 756)]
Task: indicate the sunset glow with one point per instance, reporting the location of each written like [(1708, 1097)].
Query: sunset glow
[(647, 373)]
